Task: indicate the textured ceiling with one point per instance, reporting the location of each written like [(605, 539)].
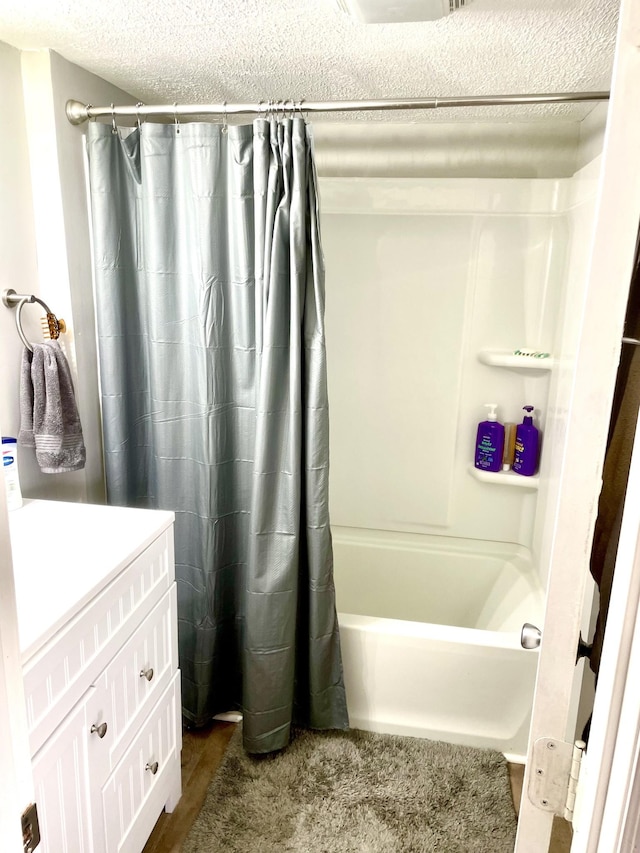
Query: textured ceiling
[(250, 50)]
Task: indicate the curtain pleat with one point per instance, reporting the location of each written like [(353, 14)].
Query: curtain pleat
[(210, 304)]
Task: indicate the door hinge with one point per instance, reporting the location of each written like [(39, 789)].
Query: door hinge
[(30, 829), (553, 781)]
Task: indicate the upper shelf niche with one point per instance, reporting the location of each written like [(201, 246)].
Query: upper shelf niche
[(506, 358)]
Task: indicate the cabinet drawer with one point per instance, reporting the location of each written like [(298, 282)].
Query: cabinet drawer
[(135, 678), (135, 793), (57, 676)]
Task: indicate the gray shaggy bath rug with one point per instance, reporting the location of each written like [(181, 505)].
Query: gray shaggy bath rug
[(357, 792)]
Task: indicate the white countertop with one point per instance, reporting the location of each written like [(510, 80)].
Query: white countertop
[(65, 553)]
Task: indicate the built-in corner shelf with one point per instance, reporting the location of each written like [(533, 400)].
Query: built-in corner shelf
[(505, 478), (506, 358)]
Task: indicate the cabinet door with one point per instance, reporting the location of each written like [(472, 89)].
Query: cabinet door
[(61, 780)]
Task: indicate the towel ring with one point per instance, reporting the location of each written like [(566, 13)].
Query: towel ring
[(51, 325)]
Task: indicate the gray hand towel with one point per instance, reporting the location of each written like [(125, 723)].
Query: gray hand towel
[(48, 411), (25, 436)]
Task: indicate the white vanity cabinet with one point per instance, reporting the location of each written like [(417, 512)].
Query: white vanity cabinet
[(96, 597)]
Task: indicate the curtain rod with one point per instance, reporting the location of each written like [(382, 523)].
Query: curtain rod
[(78, 113)]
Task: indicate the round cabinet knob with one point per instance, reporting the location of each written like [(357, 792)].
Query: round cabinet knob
[(100, 730), (147, 673), (152, 767), (530, 637)]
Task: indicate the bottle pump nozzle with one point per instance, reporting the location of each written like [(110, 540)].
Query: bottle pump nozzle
[(492, 416), (528, 418)]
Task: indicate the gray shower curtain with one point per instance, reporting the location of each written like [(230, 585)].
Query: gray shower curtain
[(210, 303)]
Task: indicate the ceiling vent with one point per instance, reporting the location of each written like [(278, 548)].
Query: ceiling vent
[(398, 11)]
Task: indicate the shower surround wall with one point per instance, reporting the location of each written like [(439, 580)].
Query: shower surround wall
[(424, 275)]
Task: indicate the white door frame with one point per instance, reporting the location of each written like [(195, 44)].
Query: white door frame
[(609, 804), (607, 821), (584, 418), (608, 808)]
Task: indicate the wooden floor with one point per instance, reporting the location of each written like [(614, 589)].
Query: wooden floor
[(202, 751)]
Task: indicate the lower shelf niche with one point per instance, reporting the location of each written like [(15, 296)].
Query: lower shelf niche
[(505, 478)]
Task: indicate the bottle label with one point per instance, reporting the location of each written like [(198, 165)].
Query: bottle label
[(521, 462), (486, 452), (7, 460)]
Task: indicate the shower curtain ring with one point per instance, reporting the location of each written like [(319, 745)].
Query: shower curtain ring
[(225, 127), (175, 117), (114, 126), (138, 105)]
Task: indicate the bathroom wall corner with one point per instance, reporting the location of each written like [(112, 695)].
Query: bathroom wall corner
[(56, 154), (18, 264)]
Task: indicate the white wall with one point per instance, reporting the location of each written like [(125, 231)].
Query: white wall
[(56, 151), (44, 242), (581, 217), (580, 205), (18, 264), (591, 136), (445, 149), (18, 270)]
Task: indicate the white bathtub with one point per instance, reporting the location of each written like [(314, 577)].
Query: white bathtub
[(430, 632)]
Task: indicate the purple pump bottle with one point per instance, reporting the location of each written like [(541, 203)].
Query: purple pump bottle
[(489, 442), (525, 461)]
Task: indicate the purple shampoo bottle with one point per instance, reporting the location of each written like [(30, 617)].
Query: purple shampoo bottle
[(489, 442), (525, 460)]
